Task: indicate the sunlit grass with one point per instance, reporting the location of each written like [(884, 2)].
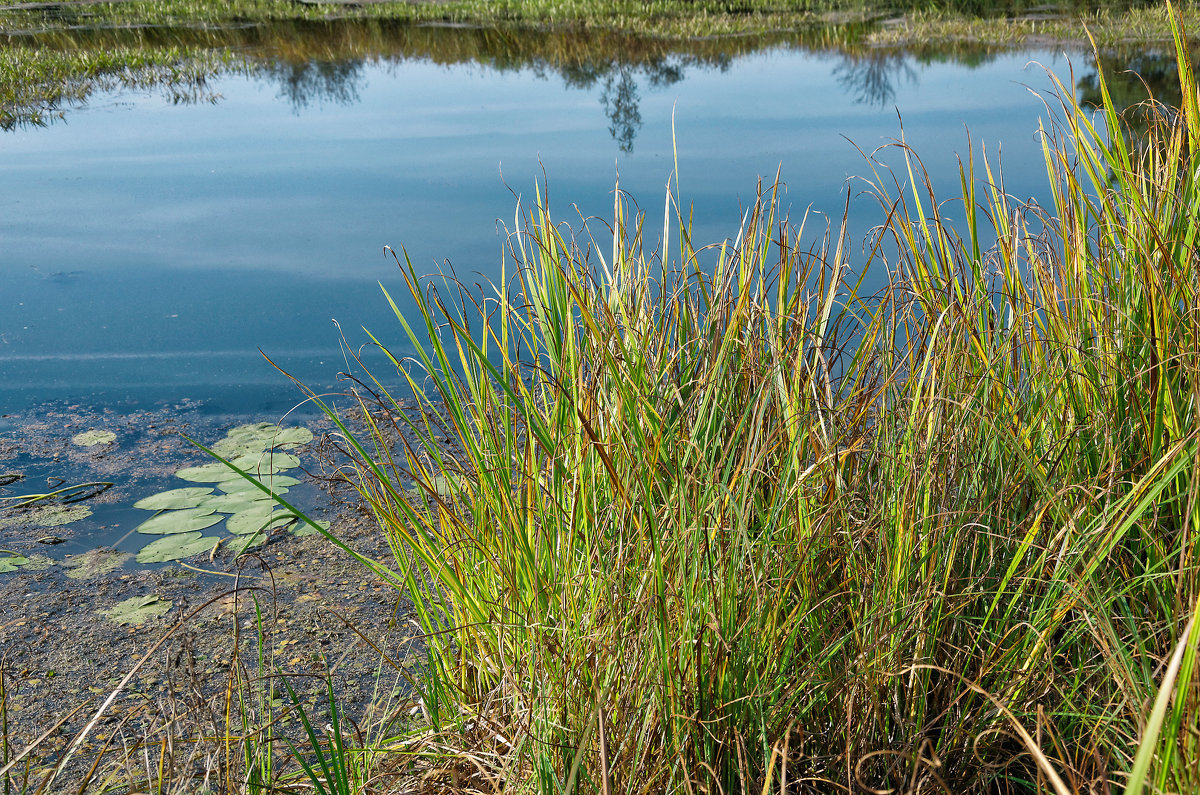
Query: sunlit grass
[(1109, 27), (718, 520)]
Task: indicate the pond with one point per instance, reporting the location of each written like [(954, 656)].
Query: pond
[(155, 246)]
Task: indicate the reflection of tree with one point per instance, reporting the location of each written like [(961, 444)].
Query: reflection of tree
[(620, 101), (620, 93), (870, 77), (301, 82), (1132, 78), (1144, 87)]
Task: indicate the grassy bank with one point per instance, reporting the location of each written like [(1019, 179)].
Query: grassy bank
[(716, 520), (662, 17), (907, 21)]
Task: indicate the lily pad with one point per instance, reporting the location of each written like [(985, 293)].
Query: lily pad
[(233, 448), (269, 461), (443, 486), (174, 522), (248, 542), (279, 483), (138, 610), (93, 437), (237, 501), (207, 473), (94, 563), (190, 497), (292, 437), (47, 516), (263, 436), (254, 430), (253, 521), (9, 561), (39, 563), (176, 547)]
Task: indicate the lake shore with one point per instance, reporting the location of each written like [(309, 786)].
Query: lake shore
[(893, 25), (84, 621)]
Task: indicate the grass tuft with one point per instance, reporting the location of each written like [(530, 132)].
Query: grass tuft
[(717, 519)]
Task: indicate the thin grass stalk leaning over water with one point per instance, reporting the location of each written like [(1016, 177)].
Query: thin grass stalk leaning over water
[(727, 523)]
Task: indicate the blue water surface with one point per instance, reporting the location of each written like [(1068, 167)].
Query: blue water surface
[(152, 251)]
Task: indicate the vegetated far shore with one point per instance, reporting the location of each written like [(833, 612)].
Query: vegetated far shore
[(908, 22), (53, 56)]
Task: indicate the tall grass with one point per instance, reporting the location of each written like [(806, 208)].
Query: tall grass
[(720, 520)]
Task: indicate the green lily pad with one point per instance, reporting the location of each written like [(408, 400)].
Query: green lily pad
[(176, 547), (93, 437), (185, 521), (255, 520), (263, 436), (256, 430), (237, 501), (445, 487), (241, 442), (190, 497), (138, 610), (266, 462), (235, 448), (39, 563), (242, 543), (279, 483), (292, 437), (207, 473), (9, 561), (47, 516), (94, 563)]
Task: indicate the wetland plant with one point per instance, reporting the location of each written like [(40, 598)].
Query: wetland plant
[(719, 520)]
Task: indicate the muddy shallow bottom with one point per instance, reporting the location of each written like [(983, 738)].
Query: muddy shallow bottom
[(296, 605)]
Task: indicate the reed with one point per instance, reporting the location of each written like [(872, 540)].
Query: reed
[(717, 519)]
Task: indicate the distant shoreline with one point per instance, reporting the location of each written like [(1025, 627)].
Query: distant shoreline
[(906, 24)]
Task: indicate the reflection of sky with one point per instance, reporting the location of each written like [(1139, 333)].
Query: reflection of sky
[(138, 226)]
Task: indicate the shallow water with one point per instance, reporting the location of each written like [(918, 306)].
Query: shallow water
[(150, 250)]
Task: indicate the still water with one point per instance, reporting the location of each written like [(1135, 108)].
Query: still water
[(150, 250)]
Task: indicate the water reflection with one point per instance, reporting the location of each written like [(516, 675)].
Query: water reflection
[(237, 227), (620, 101), (323, 82), (323, 62), (1132, 78), (871, 77)]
